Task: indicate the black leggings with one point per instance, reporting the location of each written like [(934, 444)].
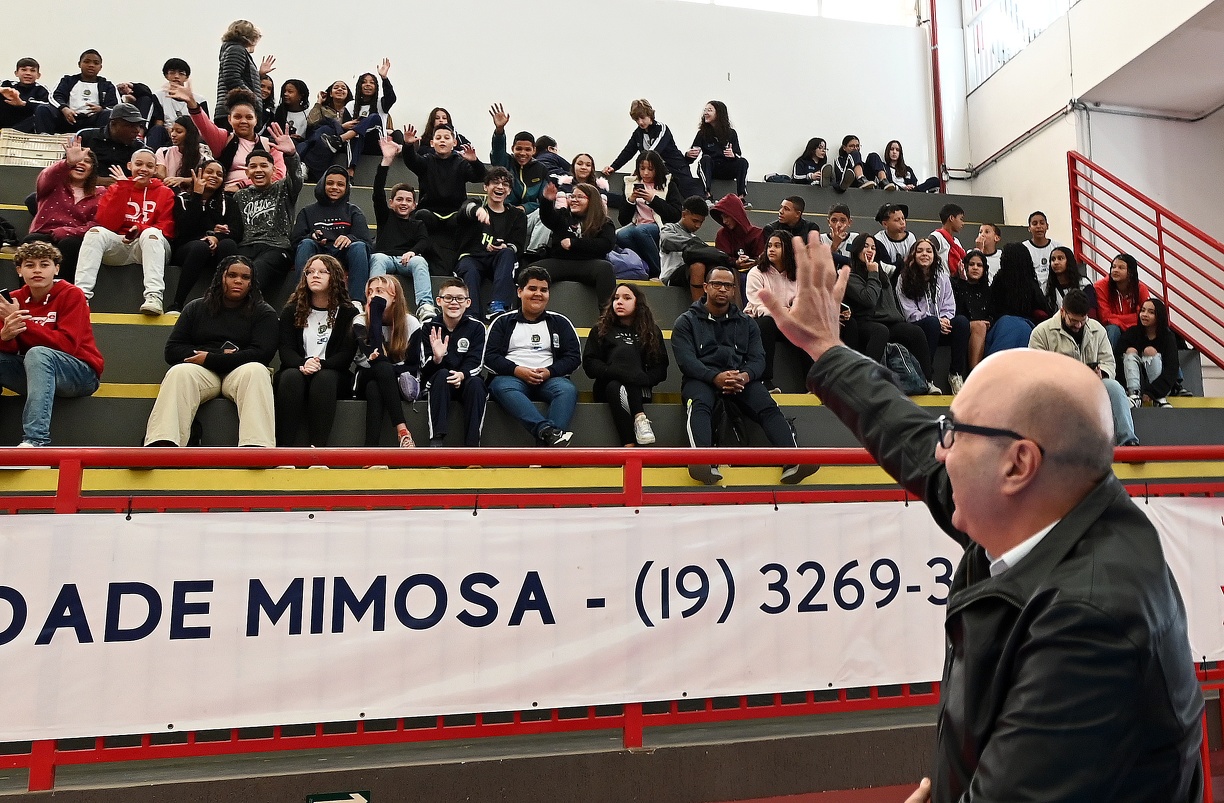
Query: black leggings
[(596, 273), (307, 398), (271, 264), (382, 395), (625, 401), (866, 337), (194, 260), (914, 339)]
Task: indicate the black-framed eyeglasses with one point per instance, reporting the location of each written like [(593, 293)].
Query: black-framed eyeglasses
[(949, 426)]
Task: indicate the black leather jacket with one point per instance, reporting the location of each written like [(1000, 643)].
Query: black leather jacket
[(1069, 676)]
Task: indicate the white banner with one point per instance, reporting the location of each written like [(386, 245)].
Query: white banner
[(192, 621)]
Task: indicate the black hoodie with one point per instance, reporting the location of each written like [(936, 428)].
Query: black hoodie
[(330, 219)]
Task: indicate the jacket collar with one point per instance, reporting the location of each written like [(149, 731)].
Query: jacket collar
[(1018, 584)]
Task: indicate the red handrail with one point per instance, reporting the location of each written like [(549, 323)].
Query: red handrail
[(1100, 202)]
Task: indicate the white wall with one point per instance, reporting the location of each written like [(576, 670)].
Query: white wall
[(784, 78)]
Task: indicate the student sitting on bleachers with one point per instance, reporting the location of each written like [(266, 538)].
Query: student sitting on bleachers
[(452, 349), (402, 240), (369, 109), (333, 225), (848, 168), (718, 350), (924, 291), (813, 166), (891, 172), (791, 221), (332, 125), (207, 229), (439, 116), (895, 237), (841, 234), (1065, 276), (528, 175), (1149, 356), (177, 161), (583, 171), (385, 333), (685, 257), (237, 70), (737, 237), (177, 73), (292, 110), (652, 198), (68, 195), (717, 148), (135, 224), (491, 236), (531, 353), (232, 149), (80, 99), (988, 240), (775, 271), (554, 162), (874, 306), (316, 348), (651, 135), (581, 238), (947, 246), (1119, 296), (114, 143), (267, 210), (1016, 301), (222, 344), (1039, 245), (625, 357), (267, 102), (442, 172), (19, 99), (972, 292), (47, 345)]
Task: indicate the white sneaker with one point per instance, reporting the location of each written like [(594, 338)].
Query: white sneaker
[(152, 305), (933, 389), (955, 383), (643, 433), (426, 312)]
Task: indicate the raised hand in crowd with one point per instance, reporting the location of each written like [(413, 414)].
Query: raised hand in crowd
[(281, 139), (410, 135), (389, 147), (468, 152), (384, 67), (500, 118), (267, 65), (74, 154)]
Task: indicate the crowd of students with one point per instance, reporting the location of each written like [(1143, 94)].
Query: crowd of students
[(218, 198)]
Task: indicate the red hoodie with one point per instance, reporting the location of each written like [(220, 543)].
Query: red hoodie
[(60, 322), (126, 208), (745, 236)]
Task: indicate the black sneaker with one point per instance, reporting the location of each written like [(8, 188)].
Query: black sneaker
[(333, 142), (706, 475), (551, 436), (797, 473), (1180, 390), (435, 443)]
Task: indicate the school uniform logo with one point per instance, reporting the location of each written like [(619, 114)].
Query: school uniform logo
[(463, 345), (556, 340), (535, 340)]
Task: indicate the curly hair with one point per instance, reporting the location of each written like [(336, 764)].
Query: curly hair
[(643, 325), (214, 296), (241, 96), (720, 130), (35, 250), (244, 32), (337, 292), (913, 280)]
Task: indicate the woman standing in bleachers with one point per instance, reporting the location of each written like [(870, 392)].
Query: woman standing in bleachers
[(317, 348), (625, 357), (237, 68), (207, 229), (67, 195)]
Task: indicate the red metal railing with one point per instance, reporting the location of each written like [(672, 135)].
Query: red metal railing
[(42, 757), (1180, 262)]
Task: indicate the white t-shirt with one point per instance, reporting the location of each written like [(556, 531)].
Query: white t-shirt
[(83, 94), (174, 108), (316, 334), (295, 124), (844, 248), (992, 263), (896, 250), (530, 346), (1041, 258)]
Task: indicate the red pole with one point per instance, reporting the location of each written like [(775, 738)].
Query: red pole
[(1206, 754), (42, 765), (941, 156), (632, 732)]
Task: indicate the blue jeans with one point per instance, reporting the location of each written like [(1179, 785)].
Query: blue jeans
[(355, 259), (417, 268), (516, 397), (1124, 425), (1114, 333), (1009, 332), (643, 240), (473, 267), (43, 373)]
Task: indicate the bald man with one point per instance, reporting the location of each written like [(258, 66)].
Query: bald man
[(1068, 673)]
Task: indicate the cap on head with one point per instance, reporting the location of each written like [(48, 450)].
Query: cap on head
[(127, 113)]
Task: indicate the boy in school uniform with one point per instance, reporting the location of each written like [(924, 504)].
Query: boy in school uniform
[(402, 240), (452, 354), (949, 249), (20, 98), (79, 101)]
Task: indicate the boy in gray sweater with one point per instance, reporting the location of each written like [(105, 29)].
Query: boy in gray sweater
[(267, 209)]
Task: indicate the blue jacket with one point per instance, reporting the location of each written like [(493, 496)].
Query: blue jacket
[(108, 98), (706, 346), (567, 355)]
